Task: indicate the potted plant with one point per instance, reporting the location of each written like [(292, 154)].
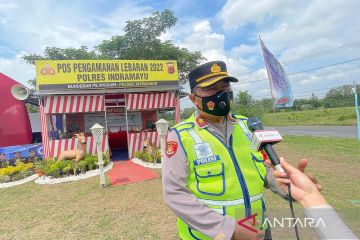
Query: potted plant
[(39, 167)]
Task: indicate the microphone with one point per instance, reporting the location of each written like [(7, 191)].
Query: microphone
[(264, 139)]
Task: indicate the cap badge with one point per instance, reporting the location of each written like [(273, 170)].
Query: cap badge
[(215, 68)]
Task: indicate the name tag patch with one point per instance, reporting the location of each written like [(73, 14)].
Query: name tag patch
[(206, 160)]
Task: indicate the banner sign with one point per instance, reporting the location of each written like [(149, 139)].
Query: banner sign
[(279, 82), (25, 153), (99, 74)]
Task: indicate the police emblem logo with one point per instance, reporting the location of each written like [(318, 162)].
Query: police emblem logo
[(171, 148), (215, 68), (210, 105), (170, 67), (203, 150)]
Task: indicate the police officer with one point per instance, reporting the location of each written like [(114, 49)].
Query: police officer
[(212, 177)]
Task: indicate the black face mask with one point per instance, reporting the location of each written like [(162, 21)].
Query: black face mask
[(217, 104)]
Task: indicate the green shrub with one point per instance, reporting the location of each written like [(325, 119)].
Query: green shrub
[(75, 167), (3, 179), (147, 157), (3, 164), (18, 168), (40, 164), (106, 158), (82, 165), (90, 163), (68, 169), (106, 161), (158, 156), (59, 168), (346, 117), (53, 170), (62, 164), (17, 172), (138, 154)]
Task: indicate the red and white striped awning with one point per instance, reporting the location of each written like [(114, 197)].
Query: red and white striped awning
[(139, 101), (74, 104)]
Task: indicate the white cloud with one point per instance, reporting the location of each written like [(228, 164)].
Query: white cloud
[(330, 76), (293, 29), (34, 25), (245, 50), (17, 69), (237, 13), (5, 8), (203, 39), (30, 26)]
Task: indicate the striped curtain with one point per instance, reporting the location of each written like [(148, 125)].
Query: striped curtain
[(140, 101), (44, 132)]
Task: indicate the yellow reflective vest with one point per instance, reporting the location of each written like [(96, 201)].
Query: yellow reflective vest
[(229, 179)]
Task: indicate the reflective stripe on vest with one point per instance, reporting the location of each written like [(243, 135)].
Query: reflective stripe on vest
[(195, 136), (230, 202)]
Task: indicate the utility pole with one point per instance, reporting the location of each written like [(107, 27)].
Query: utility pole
[(356, 110)]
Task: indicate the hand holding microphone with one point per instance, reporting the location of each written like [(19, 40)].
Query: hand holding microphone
[(264, 139)]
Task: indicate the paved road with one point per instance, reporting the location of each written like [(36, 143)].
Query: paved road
[(321, 131)]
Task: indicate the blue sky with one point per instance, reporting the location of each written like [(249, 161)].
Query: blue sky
[(222, 30)]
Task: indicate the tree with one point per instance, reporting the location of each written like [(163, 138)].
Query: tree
[(30, 107), (244, 99), (140, 41), (314, 102), (340, 97), (55, 53), (267, 104), (186, 113), (244, 104)]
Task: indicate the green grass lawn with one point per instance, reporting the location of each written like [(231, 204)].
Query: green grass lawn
[(82, 210), (336, 164), (321, 117)]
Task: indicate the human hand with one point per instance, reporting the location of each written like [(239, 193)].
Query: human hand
[(303, 189), (301, 166), (242, 233)]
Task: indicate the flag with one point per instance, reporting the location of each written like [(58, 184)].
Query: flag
[(279, 82)]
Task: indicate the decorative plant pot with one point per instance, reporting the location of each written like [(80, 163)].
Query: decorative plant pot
[(39, 172)]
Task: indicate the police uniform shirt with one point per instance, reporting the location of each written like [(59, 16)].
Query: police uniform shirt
[(181, 200)]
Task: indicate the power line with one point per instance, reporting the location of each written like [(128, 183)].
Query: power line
[(306, 91), (331, 65), (300, 91), (353, 44), (307, 70)]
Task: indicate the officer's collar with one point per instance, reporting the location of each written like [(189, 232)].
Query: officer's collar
[(202, 123)]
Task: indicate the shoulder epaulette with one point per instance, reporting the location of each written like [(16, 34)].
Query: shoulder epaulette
[(183, 125), (239, 117)]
